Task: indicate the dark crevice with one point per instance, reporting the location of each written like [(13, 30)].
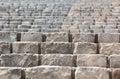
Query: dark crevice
[(18, 37), (70, 37), (43, 38), (23, 74)]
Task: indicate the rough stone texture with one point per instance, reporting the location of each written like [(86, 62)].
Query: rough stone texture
[(116, 73), (31, 36), (91, 73), (85, 48), (48, 72), (83, 37), (20, 60), (57, 37), (11, 73), (5, 48), (8, 36), (92, 60), (57, 48), (108, 38), (57, 60), (26, 47), (109, 48), (114, 61)]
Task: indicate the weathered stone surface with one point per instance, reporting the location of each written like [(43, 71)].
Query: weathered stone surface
[(5, 48), (31, 36), (108, 38), (57, 37), (91, 73), (11, 73), (57, 59), (20, 60), (48, 72), (85, 48), (92, 60), (83, 37), (114, 61), (116, 73), (57, 48), (8, 36), (109, 48), (26, 47)]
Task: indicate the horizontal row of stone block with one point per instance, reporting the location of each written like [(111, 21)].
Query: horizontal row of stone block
[(60, 37), (59, 48), (56, 72), (78, 60)]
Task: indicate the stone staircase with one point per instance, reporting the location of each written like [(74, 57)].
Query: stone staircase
[(59, 39)]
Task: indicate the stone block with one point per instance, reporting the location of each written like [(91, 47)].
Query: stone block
[(108, 38), (57, 48), (116, 73), (57, 37), (91, 73), (26, 47), (57, 60), (8, 36), (31, 36), (5, 48), (114, 61), (20, 60), (92, 60), (83, 37), (48, 72), (109, 48), (85, 48)]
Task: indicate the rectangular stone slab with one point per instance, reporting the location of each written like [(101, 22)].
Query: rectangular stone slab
[(56, 37), (109, 48), (20, 60), (92, 60), (91, 73), (116, 73), (57, 59), (48, 72), (85, 48), (83, 37), (57, 48), (31, 36), (108, 38), (26, 47)]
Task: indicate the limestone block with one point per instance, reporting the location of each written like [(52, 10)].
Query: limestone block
[(109, 48), (57, 60), (114, 61), (8, 36), (116, 73), (83, 37), (48, 72), (108, 38), (19, 60), (57, 48), (85, 48), (31, 36), (57, 37), (92, 60), (26, 47), (91, 73), (5, 48), (12, 73)]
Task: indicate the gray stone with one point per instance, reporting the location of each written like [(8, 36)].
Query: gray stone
[(57, 60), (31, 36), (85, 48), (91, 73), (57, 37), (109, 48), (57, 48), (92, 60), (48, 72), (83, 37), (108, 38), (19, 60), (26, 47)]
